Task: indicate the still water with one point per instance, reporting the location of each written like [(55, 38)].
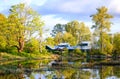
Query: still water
[(65, 69)]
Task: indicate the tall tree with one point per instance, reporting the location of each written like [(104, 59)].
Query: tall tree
[(116, 43), (28, 23), (58, 28), (50, 41), (78, 30), (67, 37), (3, 21), (102, 23), (84, 33), (58, 38), (72, 28)]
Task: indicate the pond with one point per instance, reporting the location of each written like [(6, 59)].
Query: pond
[(70, 68)]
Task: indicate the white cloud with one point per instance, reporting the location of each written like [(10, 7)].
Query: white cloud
[(115, 5), (5, 0), (35, 2), (39, 2), (50, 21), (28, 2), (71, 6), (76, 6)]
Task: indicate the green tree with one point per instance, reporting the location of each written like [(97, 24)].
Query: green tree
[(72, 28), (32, 46), (50, 41), (58, 38), (116, 44), (3, 21), (79, 30), (67, 37), (108, 47), (27, 23), (58, 28), (84, 33), (102, 23)]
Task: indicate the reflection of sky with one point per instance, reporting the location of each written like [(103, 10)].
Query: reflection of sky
[(95, 74), (39, 76), (112, 77)]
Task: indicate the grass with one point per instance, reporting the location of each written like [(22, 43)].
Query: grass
[(6, 56), (23, 55)]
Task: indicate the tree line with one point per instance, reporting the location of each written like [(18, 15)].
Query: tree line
[(22, 31)]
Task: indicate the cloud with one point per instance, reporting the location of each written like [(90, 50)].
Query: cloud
[(74, 6), (115, 6), (28, 2), (50, 21), (39, 2), (34, 2)]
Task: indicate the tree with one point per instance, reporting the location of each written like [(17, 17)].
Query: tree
[(58, 38), (58, 28), (79, 31), (3, 21), (84, 33), (108, 47), (50, 41), (72, 28), (28, 23), (102, 23), (32, 46), (67, 37), (116, 43)]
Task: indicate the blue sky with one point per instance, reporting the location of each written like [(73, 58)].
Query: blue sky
[(63, 11)]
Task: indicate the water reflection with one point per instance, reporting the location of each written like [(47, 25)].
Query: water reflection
[(65, 69)]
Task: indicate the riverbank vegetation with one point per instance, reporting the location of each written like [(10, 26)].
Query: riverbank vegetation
[(21, 34)]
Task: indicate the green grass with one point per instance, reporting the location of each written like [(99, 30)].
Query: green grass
[(24, 55), (4, 56)]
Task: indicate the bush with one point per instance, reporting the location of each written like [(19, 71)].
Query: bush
[(65, 52), (78, 52), (12, 50)]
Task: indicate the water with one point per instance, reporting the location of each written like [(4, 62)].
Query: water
[(65, 69)]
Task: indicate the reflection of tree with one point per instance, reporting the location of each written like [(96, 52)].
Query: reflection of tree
[(50, 75), (81, 74), (105, 72), (54, 74), (9, 76), (116, 71), (42, 72), (68, 73)]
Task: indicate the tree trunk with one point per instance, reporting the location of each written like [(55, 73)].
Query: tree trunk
[(101, 42), (21, 44)]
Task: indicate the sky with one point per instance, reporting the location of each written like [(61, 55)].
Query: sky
[(64, 11)]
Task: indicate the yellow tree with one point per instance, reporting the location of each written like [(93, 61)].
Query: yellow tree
[(67, 37), (58, 38), (116, 43), (102, 23), (3, 21), (78, 30), (26, 21), (72, 28), (84, 33)]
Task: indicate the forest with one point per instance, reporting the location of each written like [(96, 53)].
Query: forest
[(21, 33)]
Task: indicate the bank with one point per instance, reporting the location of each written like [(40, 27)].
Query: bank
[(23, 56)]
